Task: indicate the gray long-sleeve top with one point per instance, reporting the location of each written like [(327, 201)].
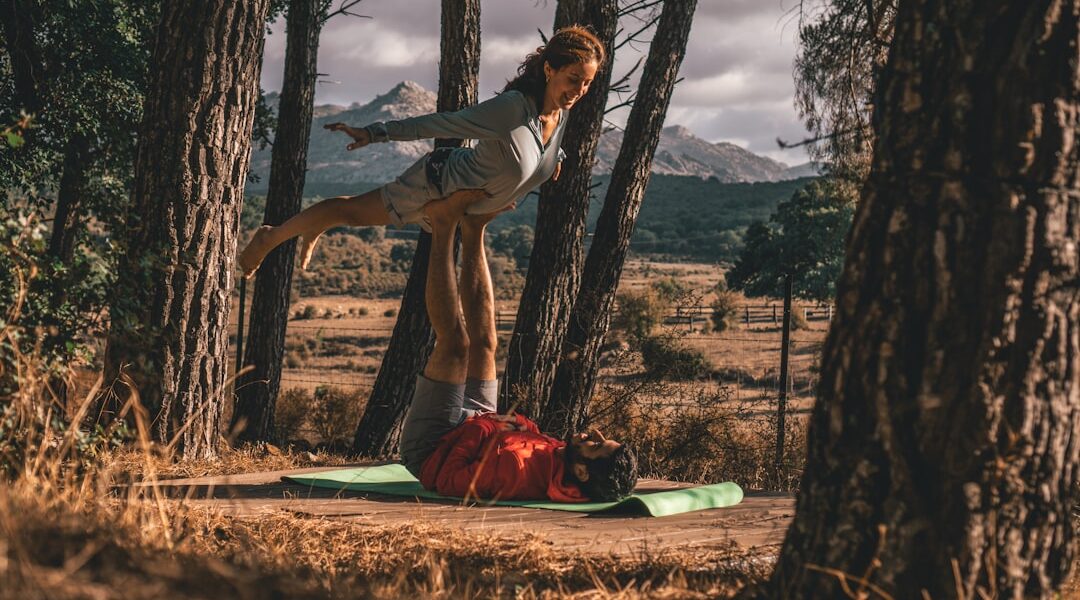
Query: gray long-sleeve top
[(508, 160)]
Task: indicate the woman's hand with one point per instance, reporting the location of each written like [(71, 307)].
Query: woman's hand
[(558, 169), (360, 136)]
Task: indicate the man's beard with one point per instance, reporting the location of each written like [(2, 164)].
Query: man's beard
[(570, 456)]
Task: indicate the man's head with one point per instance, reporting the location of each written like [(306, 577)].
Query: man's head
[(604, 469)]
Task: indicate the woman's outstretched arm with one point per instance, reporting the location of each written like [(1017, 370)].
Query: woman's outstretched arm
[(489, 119)]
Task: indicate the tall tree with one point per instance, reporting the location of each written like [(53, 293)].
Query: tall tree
[(557, 253), (842, 46), (804, 240), (167, 338), (942, 450), (257, 390), (413, 339), (591, 315)]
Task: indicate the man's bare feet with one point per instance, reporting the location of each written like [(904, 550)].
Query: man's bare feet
[(447, 212), (253, 254)]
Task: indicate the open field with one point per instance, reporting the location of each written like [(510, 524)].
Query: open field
[(340, 340)]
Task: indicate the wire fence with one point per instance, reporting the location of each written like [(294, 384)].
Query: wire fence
[(747, 358)]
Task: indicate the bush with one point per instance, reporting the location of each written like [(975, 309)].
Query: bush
[(390, 312), (335, 413), (639, 313), (309, 312), (362, 311), (293, 360), (670, 289), (725, 309), (290, 413), (665, 358)]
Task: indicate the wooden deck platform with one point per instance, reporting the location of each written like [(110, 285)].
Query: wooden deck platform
[(759, 521)]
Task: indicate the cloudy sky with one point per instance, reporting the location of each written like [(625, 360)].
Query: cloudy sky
[(737, 83)]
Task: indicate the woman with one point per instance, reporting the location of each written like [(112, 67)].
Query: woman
[(518, 135)]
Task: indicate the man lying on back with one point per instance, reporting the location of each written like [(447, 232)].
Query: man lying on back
[(452, 439)]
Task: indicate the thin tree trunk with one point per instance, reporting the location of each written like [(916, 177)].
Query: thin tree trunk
[(412, 340), (567, 408), (69, 199), (555, 263), (943, 456), (257, 390), (170, 308), (17, 17)]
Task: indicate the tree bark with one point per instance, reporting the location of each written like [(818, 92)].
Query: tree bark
[(555, 263), (170, 307), (18, 19), (257, 390), (567, 408), (942, 451), (412, 340)]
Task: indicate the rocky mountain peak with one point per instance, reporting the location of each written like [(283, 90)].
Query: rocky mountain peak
[(680, 152)]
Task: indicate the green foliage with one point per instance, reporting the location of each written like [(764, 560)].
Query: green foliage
[(290, 414), (639, 313), (514, 242), (805, 238), (670, 289), (335, 413), (666, 358), (725, 308)]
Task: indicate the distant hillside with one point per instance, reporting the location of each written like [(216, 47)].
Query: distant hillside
[(682, 217), (679, 152)]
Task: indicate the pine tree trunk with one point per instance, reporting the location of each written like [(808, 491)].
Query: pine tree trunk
[(555, 263), (257, 390), (567, 408), (18, 19), (942, 449), (412, 340), (170, 307), (69, 199)]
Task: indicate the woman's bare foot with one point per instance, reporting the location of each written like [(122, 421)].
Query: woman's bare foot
[(253, 254), (450, 210)]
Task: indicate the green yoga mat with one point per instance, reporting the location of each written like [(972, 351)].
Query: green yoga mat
[(395, 480)]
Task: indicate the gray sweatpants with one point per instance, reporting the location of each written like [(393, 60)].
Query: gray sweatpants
[(438, 407)]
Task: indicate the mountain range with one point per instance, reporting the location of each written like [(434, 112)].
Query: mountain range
[(679, 152)]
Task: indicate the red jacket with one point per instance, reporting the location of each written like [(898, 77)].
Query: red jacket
[(478, 460)]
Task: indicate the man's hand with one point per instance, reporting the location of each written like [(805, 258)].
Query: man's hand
[(479, 221), (360, 136), (558, 169), (506, 422)]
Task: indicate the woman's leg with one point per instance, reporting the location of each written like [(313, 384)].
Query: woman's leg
[(363, 210)]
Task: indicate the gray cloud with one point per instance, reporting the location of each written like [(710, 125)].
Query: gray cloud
[(736, 86)]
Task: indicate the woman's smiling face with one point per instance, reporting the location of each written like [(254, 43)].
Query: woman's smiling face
[(567, 85)]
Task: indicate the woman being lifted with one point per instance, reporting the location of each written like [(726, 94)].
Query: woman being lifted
[(518, 135)]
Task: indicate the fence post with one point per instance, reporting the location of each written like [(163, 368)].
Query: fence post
[(774, 319), (747, 307), (781, 404)]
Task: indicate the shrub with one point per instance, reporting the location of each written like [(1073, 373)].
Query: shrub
[(390, 312), (665, 358), (670, 289), (362, 311), (293, 360), (309, 312), (290, 412), (725, 309), (335, 413), (639, 313)]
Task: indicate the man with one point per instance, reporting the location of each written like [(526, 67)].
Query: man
[(452, 439)]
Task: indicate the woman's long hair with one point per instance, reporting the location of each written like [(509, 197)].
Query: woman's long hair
[(569, 45)]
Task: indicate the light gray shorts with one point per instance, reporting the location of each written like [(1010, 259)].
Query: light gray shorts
[(438, 407), (404, 198)]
